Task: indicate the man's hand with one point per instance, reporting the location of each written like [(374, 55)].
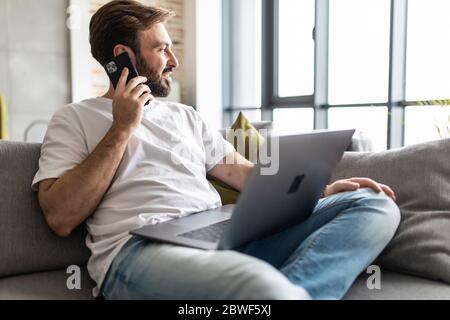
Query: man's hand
[(355, 184), (128, 101)]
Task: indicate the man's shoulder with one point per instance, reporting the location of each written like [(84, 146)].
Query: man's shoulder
[(178, 106), (188, 112), (75, 108), (73, 114), (66, 111)]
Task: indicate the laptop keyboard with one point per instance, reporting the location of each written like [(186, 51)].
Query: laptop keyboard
[(211, 233)]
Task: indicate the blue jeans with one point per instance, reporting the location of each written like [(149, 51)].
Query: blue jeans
[(322, 255)]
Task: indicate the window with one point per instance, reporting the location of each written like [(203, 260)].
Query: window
[(426, 123), (428, 50), (427, 70), (370, 122), (296, 48), (291, 121), (359, 51), (330, 64)]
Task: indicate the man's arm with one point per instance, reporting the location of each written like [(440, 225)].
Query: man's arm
[(234, 170), (71, 199)]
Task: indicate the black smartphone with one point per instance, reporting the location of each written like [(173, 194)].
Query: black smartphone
[(115, 67)]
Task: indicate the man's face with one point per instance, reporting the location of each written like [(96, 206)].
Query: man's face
[(156, 60)]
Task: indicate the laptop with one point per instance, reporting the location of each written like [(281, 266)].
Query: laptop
[(269, 203)]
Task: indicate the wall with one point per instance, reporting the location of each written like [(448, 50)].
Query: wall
[(36, 65), (208, 61), (34, 62)]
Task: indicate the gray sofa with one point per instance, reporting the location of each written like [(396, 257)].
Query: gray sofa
[(34, 261)]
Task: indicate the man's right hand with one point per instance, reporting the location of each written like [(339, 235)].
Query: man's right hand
[(128, 101)]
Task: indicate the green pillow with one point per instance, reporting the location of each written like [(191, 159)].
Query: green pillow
[(241, 143), (251, 137)]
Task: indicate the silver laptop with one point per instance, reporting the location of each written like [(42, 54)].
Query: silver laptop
[(269, 203)]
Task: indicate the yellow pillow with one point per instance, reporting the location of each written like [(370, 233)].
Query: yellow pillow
[(246, 139), (3, 122), (242, 142)]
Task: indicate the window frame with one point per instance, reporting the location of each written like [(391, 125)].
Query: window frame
[(270, 99)]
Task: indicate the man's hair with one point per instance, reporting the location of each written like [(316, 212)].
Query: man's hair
[(121, 22)]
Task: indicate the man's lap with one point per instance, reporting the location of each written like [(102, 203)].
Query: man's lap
[(146, 270), (277, 248), (164, 271)]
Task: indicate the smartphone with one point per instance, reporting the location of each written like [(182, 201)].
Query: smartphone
[(115, 67)]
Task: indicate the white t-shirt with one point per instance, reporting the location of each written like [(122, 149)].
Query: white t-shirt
[(162, 174)]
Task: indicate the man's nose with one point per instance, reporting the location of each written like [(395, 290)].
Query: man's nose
[(173, 61)]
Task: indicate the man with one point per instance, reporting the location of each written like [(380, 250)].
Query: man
[(111, 162)]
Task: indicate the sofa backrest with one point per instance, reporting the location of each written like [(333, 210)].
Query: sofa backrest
[(26, 242)]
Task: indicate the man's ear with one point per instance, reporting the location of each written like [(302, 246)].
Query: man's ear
[(120, 48)]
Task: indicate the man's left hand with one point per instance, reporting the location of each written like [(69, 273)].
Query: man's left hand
[(355, 184)]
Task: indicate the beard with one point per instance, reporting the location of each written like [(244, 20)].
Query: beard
[(159, 85)]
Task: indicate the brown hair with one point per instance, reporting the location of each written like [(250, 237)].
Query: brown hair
[(120, 22)]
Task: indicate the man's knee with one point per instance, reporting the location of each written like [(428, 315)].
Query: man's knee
[(382, 213)]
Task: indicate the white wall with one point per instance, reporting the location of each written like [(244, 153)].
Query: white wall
[(203, 64), (246, 54), (190, 50), (78, 22), (34, 63)]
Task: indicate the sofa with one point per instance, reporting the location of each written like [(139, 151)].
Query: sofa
[(34, 262)]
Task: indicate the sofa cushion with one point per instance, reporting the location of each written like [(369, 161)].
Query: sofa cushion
[(26, 242), (420, 176), (397, 286), (50, 285)]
